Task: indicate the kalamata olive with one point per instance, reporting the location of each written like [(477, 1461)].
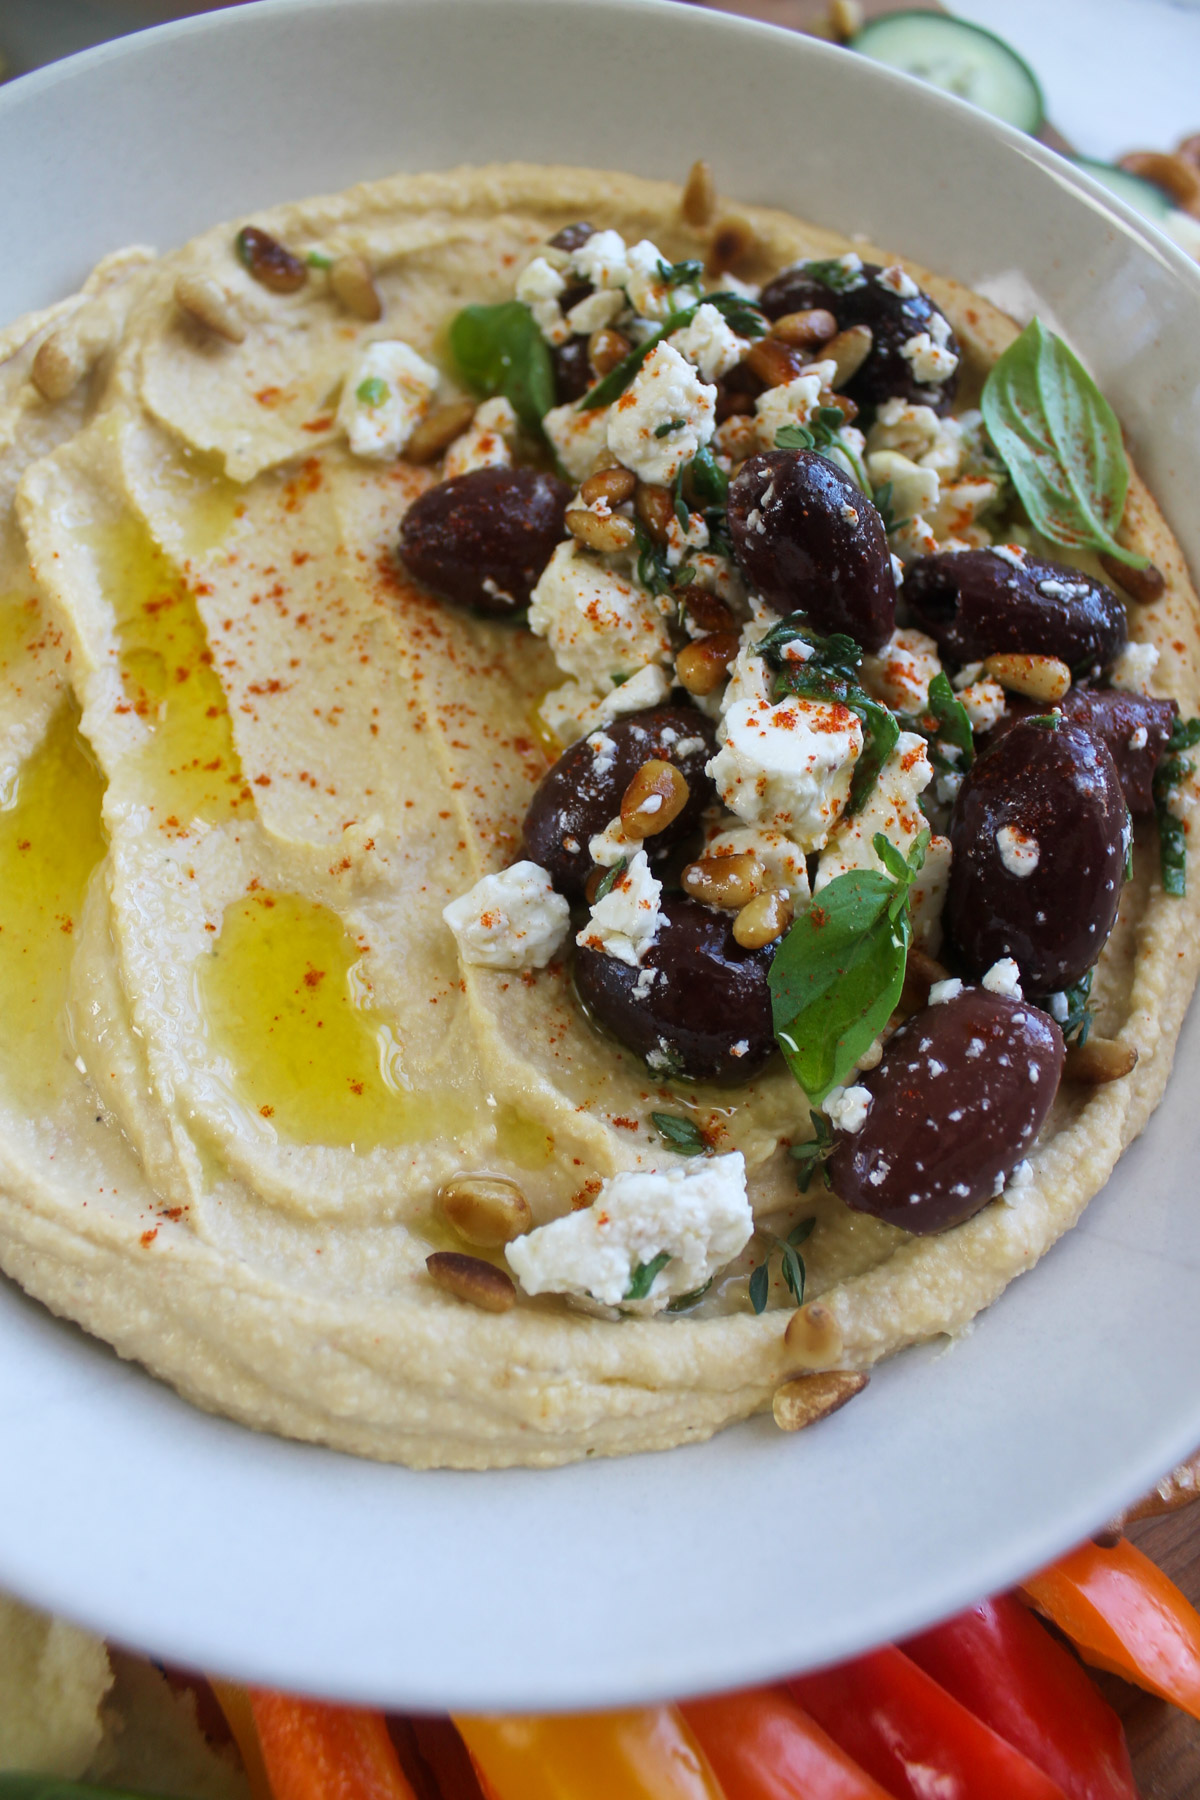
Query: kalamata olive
[(961, 1092), (706, 1014), (572, 371), (979, 602), (483, 539), (894, 319), (582, 793), (572, 237), (807, 539), (1039, 835), (1134, 726)]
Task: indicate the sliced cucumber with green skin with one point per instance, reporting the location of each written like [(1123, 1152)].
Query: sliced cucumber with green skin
[(1142, 195), (961, 59)]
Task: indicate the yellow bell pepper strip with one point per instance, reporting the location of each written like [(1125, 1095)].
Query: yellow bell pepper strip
[(765, 1747), (1123, 1614), (314, 1751), (646, 1753), (234, 1702)]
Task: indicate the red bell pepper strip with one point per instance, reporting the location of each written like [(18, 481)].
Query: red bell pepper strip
[(913, 1737), (1008, 1670), (1123, 1614), (314, 1751), (762, 1746)]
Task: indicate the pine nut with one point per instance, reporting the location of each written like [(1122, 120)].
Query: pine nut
[(706, 610), (614, 485), (1143, 585), (813, 1338), (654, 507), (606, 348), (268, 261), (845, 20), (470, 1278), (774, 362), (840, 402), (653, 800), (485, 1209), (1099, 1061), (699, 201), (807, 1398), (206, 301), (733, 243), (729, 882), (1043, 678), (763, 919), (1174, 174), (59, 366), (849, 350), (438, 430), (354, 284), (606, 534), (806, 329), (702, 666)]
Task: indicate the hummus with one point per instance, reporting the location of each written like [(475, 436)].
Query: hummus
[(247, 763)]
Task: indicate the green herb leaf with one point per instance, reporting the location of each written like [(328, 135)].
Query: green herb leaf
[(1172, 836), (652, 569), (800, 1234), (951, 718), (820, 431), (829, 674), (668, 426), (1060, 442), (760, 1284), (708, 482), (317, 259), (746, 320), (372, 392), (809, 1158), (683, 1135), (680, 274), (794, 1272), (1078, 1022), (642, 1279), (834, 273), (885, 501), (609, 881), (685, 1302), (499, 350)]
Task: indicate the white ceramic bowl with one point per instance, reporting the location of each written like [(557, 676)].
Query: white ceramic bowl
[(959, 1469)]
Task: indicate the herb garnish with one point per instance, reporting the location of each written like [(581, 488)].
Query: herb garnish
[(683, 1135), (710, 483), (684, 1302), (837, 976), (833, 273), (794, 1272), (668, 426), (642, 1279), (318, 259), (820, 431), (1061, 443), (609, 881), (813, 1156), (1172, 833), (829, 674), (1078, 1022), (947, 725), (499, 350), (738, 314), (680, 274), (885, 500), (373, 391)]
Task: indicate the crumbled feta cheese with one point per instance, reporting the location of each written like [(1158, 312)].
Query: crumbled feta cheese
[(915, 537), (649, 294), (485, 444), (625, 922), (664, 416), (602, 260), (792, 403), (914, 489), (697, 1215), (572, 710), (919, 434), (512, 920), (898, 281), (598, 623), (1019, 851), (941, 991), (1134, 668), (1021, 1176), (540, 287), (1139, 739), (929, 361), (604, 753), (1004, 977), (1059, 1007), (610, 845), (710, 343), (902, 671), (984, 702), (387, 393), (783, 862), (680, 543), (846, 1108), (1010, 553), (577, 437), (927, 895), (595, 311), (1064, 590), (891, 808), (952, 520)]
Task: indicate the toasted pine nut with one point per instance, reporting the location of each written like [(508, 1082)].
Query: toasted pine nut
[(730, 882), (1042, 678), (813, 1338), (840, 402), (470, 1278), (654, 507), (806, 329), (763, 919), (733, 244), (606, 347), (269, 261), (920, 972), (653, 800), (354, 284), (607, 534), (59, 366), (702, 666), (1144, 585), (773, 361), (1099, 1061), (485, 1209), (204, 299), (438, 430), (808, 1398), (614, 485), (699, 201), (1175, 174), (706, 610), (849, 350), (845, 20)]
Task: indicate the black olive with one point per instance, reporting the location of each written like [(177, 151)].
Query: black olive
[(483, 539), (1135, 727), (572, 371), (978, 603), (893, 319), (807, 539), (706, 1015), (572, 237), (961, 1092), (1039, 836), (582, 793)]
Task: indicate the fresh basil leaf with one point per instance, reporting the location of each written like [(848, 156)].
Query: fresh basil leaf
[(1061, 443), (499, 350), (668, 426), (642, 1279), (951, 717), (760, 1284), (609, 881), (683, 1135), (685, 1302), (881, 734), (892, 859), (14, 1786)]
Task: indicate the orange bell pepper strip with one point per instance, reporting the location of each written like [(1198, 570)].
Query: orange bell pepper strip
[(314, 1751), (234, 1702), (1123, 1614), (646, 1753), (763, 1746)]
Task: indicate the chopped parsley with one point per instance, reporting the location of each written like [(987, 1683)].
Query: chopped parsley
[(372, 392)]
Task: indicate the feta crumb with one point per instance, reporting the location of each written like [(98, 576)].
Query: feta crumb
[(595, 311), (664, 416), (602, 260), (984, 702), (1021, 1176), (846, 1108), (387, 393), (710, 343), (898, 281), (783, 861), (625, 922), (511, 920), (610, 845), (572, 710), (540, 287), (485, 444), (1059, 1007), (915, 489), (930, 362), (1019, 851), (941, 991), (741, 1048), (697, 1215), (792, 403), (901, 672), (577, 437), (1064, 590), (1139, 739), (598, 623), (919, 434), (604, 752), (891, 808), (1004, 978), (1134, 668), (1010, 553)]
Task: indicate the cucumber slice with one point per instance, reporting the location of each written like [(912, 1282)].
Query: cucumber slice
[(960, 58), (1142, 195)]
